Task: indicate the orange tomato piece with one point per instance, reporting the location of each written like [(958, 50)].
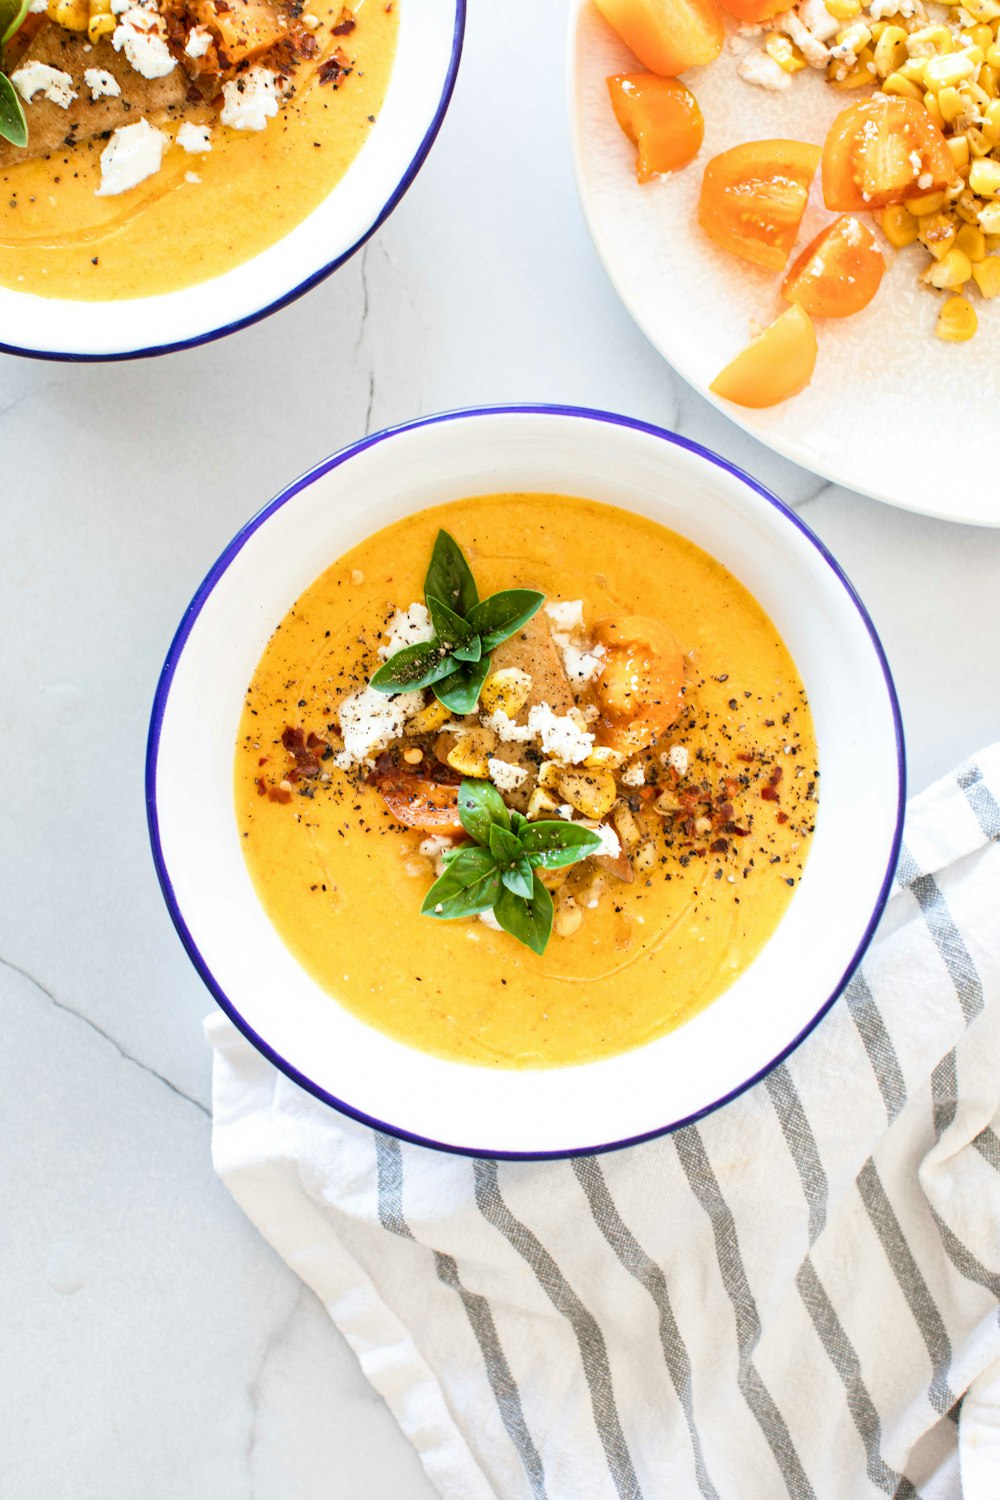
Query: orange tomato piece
[(838, 273), (753, 198), (641, 684), (667, 36), (883, 150), (245, 27), (754, 10), (663, 119), (777, 364), (417, 801)]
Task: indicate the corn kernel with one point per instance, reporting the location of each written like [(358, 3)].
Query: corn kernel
[(984, 178), (992, 244), (506, 691), (100, 25), (784, 54), (592, 793), (860, 75), (989, 80), (929, 40), (957, 321), (604, 758), (549, 772), (986, 275), (843, 10), (427, 720), (993, 56), (951, 104), (959, 148), (854, 37), (899, 227), (626, 827), (470, 753), (890, 50), (988, 219), (937, 233), (541, 803), (951, 272), (982, 37), (897, 84), (966, 207), (567, 918), (972, 242), (982, 10), (945, 72), (72, 15), (925, 203)]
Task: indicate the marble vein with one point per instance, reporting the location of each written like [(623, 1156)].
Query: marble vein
[(68, 1010)]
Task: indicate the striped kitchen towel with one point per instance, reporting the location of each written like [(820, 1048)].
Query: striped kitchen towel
[(796, 1297)]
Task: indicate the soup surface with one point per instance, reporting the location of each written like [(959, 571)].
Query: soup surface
[(199, 215), (343, 882)]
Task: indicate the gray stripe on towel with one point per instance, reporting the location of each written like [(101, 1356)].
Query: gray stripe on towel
[(911, 1283), (704, 1184), (649, 1275), (981, 800), (947, 939), (805, 1153), (878, 1044), (593, 1351), (389, 1161), (944, 1096), (987, 1143)]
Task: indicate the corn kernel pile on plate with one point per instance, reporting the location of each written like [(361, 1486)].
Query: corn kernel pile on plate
[(892, 411)]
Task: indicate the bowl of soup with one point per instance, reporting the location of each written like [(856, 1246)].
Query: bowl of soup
[(189, 168), (525, 781)]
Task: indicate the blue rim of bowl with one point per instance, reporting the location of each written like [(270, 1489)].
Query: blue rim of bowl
[(405, 182), (163, 692)]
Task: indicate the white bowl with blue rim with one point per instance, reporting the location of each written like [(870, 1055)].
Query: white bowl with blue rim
[(537, 1112), (428, 49)]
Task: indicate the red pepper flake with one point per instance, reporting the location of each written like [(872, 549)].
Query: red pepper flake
[(782, 817), (747, 759), (346, 24), (720, 846), (278, 794), (335, 68), (777, 774), (263, 760), (261, 787), (303, 751), (768, 793)]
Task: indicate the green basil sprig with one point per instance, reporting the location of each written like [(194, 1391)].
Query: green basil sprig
[(456, 662), (13, 125), (498, 872)]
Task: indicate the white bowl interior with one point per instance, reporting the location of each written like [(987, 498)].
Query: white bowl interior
[(420, 79), (556, 1110)]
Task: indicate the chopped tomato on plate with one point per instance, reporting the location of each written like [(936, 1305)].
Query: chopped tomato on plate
[(667, 36), (753, 198), (838, 273), (883, 150), (663, 119), (777, 364)]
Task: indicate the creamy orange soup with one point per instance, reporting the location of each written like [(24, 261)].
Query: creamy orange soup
[(343, 882), (58, 239)]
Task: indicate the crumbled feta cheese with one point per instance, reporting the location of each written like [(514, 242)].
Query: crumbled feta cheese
[(140, 34), (817, 19), (37, 6), (881, 10), (434, 845), (610, 842), (102, 85), (634, 775), (406, 628), (133, 153), (505, 776), (38, 78), (566, 615), (194, 138), (852, 231), (809, 44), (369, 720), (582, 666), (250, 100), (760, 69), (198, 42), (561, 736), (677, 759), (192, 177), (505, 729), (925, 181), (489, 920)]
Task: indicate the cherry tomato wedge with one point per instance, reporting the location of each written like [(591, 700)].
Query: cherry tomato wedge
[(417, 801), (883, 150), (667, 36), (777, 364), (753, 198), (754, 10), (663, 119), (838, 273)]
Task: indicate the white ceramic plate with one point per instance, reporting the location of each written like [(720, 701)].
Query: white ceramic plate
[(550, 1111), (891, 409), (420, 86)]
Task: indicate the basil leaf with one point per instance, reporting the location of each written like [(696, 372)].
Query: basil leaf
[(517, 822), (414, 667), (505, 846), (13, 125), (12, 14), (449, 577), (530, 921), (450, 628), (501, 615), (519, 878), (472, 652), (460, 690), (470, 884), (551, 845), (480, 807)]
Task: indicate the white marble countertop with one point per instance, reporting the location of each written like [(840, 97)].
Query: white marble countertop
[(153, 1345)]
